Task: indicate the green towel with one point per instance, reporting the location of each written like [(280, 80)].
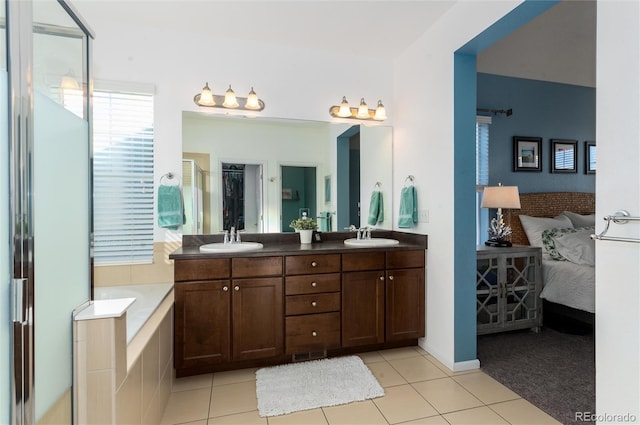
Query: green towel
[(408, 207), (325, 221), (376, 208), (170, 208)]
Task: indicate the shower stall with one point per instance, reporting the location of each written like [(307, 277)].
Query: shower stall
[(193, 183)]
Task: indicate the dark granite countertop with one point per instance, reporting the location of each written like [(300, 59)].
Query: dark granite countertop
[(289, 244)]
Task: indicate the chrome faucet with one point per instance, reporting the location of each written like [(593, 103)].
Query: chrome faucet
[(232, 235), (364, 233)]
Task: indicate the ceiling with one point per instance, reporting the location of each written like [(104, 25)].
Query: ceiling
[(364, 27)]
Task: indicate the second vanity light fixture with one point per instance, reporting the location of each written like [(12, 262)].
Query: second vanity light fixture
[(362, 112), (229, 100)]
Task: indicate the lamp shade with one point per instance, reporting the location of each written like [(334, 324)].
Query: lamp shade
[(501, 197)]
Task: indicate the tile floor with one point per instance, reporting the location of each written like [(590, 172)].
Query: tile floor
[(418, 390)]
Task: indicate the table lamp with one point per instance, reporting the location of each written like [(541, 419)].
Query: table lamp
[(500, 197)]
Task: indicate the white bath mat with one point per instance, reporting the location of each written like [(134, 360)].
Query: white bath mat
[(318, 383)]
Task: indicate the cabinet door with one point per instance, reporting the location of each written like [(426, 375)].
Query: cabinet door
[(362, 308), (257, 318), (405, 304), (202, 323)]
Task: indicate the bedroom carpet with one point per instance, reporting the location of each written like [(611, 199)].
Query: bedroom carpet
[(318, 383), (555, 371)]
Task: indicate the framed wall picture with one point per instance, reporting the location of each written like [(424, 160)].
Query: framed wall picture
[(527, 153), (327, 189), (287, 194), (589, 157), (564, 156)]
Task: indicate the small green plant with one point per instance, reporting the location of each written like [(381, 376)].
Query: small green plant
[(303, 224)]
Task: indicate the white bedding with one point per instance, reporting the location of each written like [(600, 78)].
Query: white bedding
[(569, 284)]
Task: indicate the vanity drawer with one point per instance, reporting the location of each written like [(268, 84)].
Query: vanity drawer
[(313, 303), (312, 283), (313, 332), (363, 261), (308, 264), (186, 270), (405, 259), (256, 266)]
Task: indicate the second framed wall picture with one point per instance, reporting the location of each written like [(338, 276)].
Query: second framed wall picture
[(589, 157), (564, 156), (527, 153)]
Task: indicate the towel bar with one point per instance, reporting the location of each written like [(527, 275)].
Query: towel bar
[(619, 217)]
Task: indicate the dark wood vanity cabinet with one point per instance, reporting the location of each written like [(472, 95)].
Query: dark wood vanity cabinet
[(224, 320), (404, 295)]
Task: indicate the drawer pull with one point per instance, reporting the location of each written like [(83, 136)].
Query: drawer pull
[(314, 264), (390, 277), (381, 278), (314, 333), (225, 288), (314, 284), (236, 288), (314, 304)]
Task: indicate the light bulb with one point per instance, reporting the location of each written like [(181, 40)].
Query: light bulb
[(380, 114), (363, 110), (252, 101), (206, 97), (69, 82), (230, 99), (345, 110)]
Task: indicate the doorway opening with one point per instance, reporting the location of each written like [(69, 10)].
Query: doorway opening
[(348, 178), (299, 194), (242, 197)]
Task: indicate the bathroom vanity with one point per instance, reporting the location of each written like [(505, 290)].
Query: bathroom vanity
[(290, 301)]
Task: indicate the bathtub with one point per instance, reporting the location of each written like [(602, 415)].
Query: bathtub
[(148, 298)]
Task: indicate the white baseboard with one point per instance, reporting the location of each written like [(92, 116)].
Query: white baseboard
[(453, 366)]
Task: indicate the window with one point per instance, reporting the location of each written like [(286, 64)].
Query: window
[(482, 175), (123, 185)]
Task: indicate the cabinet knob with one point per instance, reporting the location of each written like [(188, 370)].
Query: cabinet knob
[(314, 333), (314, 284), (381, 278), (225, 288), (314, 264), (236, 288), (390, 277), (313, 303)]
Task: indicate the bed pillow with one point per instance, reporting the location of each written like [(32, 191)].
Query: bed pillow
[(534, 226), (578, 247), (579, 220), (549, 241)]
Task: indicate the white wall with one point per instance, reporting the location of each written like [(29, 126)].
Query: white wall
[(423, 147), (618, 187)]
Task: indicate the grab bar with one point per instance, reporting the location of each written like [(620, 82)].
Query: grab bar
[(619, 217)]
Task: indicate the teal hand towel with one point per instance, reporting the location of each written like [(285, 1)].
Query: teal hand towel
[(408, 207), (376, 208), (325, 221), (170, 209)]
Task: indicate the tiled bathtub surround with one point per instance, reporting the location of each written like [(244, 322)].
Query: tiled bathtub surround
[(121, 379)]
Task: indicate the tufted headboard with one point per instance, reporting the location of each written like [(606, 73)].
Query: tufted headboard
[(547, 204)]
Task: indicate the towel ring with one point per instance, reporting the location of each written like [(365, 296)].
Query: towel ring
[(169, 176), (377, 186), (410, 178)]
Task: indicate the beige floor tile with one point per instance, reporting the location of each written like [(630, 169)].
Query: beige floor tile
[(386, 375), (187, 406), (446, 395), (521, 412), (433, 420), (247, 418), (416, 369), (403, 403), (484, 387), (191, 382), (371, 357), (305, 417), (399, 353), (446, 370), (476, 416), (234, 376), (233, 398), (361, 413)]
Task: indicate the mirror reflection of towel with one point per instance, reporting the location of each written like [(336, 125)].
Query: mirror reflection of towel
[(170, 208), (408, 207), (325, 221), (376, 208)]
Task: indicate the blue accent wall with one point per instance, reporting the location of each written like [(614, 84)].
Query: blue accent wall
[(540, 109)]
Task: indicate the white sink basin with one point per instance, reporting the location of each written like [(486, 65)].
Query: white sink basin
[(221, 247), (369, 243)]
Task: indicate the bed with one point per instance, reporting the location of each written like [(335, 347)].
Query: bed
[(568, 276)]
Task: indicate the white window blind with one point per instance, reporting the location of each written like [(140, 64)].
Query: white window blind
[(123, 186), (482, 175)]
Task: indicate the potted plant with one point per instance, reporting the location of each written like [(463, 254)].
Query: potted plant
[(304, 226)]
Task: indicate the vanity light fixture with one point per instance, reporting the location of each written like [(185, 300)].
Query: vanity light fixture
[(229, 100), (69, 81), (362, 112)]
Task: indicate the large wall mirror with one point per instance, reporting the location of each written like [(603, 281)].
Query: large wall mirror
[(257, 174)]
